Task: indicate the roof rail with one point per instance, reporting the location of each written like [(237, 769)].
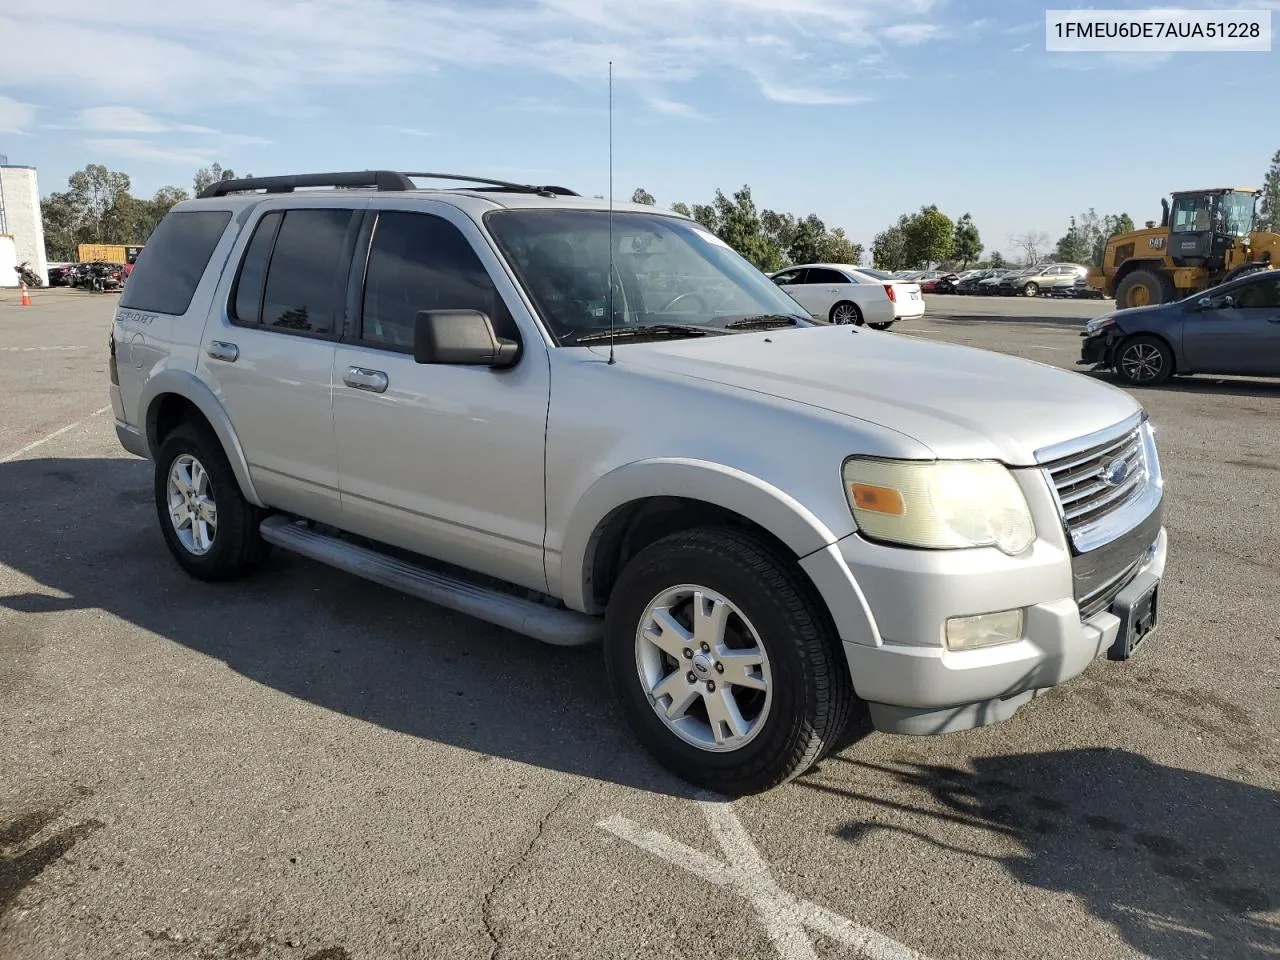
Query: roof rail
[(382, 179), (390, 180)]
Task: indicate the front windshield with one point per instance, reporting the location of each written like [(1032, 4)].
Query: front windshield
[(669, 275), (1237, 214)]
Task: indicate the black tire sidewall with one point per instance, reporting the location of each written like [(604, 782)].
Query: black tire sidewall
[(794, 703), (233, 509)]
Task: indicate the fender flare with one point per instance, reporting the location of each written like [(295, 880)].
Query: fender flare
[(191, 388), (743, 493)]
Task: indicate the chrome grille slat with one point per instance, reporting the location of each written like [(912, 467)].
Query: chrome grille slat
[(1088, 456), (1131, 451), (1113, 495)]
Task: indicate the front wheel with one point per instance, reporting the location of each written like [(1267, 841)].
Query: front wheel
[(724, 662), (1030, 290), (1144, 361)]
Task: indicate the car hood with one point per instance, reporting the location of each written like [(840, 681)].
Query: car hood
[(959, 402)]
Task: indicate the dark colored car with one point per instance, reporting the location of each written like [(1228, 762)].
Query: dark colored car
[(1233, 328)]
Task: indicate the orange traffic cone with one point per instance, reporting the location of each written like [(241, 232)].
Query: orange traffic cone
[(26, 296)]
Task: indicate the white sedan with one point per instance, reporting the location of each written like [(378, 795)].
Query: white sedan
[(840, 293)]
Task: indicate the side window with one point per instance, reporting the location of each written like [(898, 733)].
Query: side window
[(825, 276), (307, 276), (788, 276), (169, 268), (1261, 294), (417, 262), (251, 280)]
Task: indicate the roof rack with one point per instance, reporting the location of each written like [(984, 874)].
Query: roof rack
[(383, 180)]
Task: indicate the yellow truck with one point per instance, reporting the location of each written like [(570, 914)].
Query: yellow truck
[(107, 253)]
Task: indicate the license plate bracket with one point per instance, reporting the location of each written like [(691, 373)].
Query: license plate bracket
[(1138, 607)]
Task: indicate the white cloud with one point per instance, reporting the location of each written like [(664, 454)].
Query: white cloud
[(15, 117), (129, 120), (787, 93), (129, 51), (910, 34), (136, 149), (405, 131), (673, 108)]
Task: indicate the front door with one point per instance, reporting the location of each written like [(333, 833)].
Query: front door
[(446, 461), (270, 355), (1242, 337)]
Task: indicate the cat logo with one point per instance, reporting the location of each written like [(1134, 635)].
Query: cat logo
[(1156, 243)]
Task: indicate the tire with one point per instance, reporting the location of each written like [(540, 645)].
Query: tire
[(235, 548), (1143, 361), (807, 693), (883, 325), (850, 312), (1030, 290), (1145, 288)]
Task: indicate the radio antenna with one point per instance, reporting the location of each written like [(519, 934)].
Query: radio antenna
[(610, 277)]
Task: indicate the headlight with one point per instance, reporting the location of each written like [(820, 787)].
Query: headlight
[(943, 505), (1098, 323)]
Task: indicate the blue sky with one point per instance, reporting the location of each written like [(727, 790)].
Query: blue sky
[(856, 110)]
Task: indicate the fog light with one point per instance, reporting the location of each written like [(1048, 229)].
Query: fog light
[(984, 630)]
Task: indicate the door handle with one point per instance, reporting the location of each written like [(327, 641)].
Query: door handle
[(375, 381), (220, 350)]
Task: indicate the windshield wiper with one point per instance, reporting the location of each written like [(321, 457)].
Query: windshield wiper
[(764, 320), (648, 330)]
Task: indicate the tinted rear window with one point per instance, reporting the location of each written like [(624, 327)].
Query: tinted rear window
[(307, 277), (171, 264)]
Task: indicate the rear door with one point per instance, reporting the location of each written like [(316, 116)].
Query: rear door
[(270, 355), (821, 290)]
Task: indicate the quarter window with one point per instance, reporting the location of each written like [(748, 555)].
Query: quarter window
[(422, 262), (169, 268)]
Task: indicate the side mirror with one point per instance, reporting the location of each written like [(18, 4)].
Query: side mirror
[(464, 337), (1205, 303)]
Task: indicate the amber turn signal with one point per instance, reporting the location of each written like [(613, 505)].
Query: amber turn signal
[(868, 496)]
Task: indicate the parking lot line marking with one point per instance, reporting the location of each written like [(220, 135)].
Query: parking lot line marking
[(784, 916), (57, 433)]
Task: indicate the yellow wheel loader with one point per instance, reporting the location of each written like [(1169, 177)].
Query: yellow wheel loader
[(1205, 239)]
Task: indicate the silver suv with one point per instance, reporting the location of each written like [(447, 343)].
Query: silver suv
[(591, 425)]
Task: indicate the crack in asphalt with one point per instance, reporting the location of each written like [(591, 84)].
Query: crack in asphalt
[(486, 908)]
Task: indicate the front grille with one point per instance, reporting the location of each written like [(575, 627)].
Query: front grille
[(1086, 481)]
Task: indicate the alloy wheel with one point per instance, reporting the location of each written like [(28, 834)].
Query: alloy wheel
[(704, 668), (1141, 362), (192, 508)]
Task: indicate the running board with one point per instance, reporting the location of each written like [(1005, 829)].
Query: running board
[(563, 628)]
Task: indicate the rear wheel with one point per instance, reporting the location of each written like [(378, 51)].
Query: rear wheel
[(846, 312), (210, 528), (724, 662), (1144, 361), (1143, 288)]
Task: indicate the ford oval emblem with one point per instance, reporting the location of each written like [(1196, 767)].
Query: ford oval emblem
[(1115, 472)]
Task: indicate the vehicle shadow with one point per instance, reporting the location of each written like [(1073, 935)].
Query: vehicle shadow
[(985, 319), (1200, 384), (315, 633), (1181, 864)]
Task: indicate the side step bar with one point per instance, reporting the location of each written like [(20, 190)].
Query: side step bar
[(563, 628)]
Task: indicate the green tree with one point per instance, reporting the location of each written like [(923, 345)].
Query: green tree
[(740, 227), (997, 260), (641, 195), (966, 241), (681, 208), (1269, 207), (207, 176), (889, 248), (835, 247), (929, 236), (1072, 246)]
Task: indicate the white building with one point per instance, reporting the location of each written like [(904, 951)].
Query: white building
[(20, 220)]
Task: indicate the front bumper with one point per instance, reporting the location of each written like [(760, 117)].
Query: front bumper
[(892, 628), (1095, 349)]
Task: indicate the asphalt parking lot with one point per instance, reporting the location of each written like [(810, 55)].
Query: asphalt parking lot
[(308, 766)]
